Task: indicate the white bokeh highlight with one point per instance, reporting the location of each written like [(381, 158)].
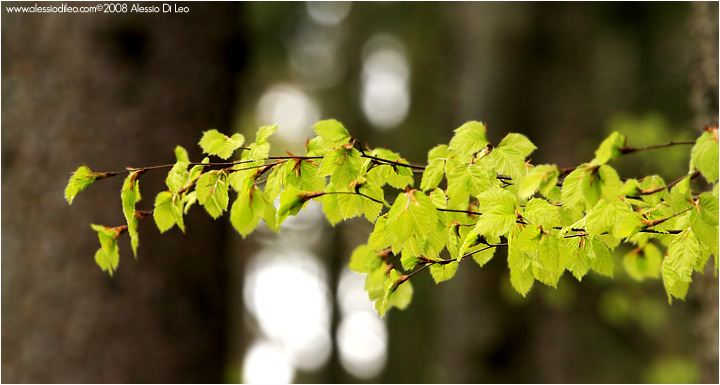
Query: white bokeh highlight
[(361, 336), (286, 291), (328, 13), (291, 108), (385, 89), (266, 363)]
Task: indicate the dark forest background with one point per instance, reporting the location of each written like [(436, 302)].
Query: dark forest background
[(116, 90)]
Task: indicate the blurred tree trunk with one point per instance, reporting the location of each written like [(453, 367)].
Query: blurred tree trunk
[(704, 102), (110, 91)]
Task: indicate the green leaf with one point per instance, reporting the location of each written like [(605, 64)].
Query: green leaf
[(216, 143), (548, 268), (469, 138), (343, 166), (601, 261), (432, 175), (212, 192), (276, 179), (364, 260), (261, 148), (351, 205), (375, 282), (572, 194), (653, 182), (679, 264), (378, 238), (631, 188), (704, 221), (408, 260), (521, 276), (680, 196), (370, 208), (395, 293), (314, 147), (188, 200), (305, 175), (540, 212), (609, 182), (331, 207), (468, 179), (498, 208), (402, 296), (247, 210), (520, 143), (178, 175), (168, 211), (292, 200), (332, 132), (412, 215), (543, 177), (130, 195), (81, 179), (507, 161), (704, 155), (438, 198), (578, 260), (675, 285), (610, 148), (443, 272), (607, 216), (643, 263), (528, 239), (440, 151), (108, 256)]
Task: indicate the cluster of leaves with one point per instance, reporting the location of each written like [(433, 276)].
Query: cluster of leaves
[(473, 198)]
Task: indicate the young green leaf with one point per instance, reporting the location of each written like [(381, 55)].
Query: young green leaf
[(108, 256), (432, 175), (601, 261), (572, 194), (130, 195), (469, 138), (610, 148), (331, 206), (332, 132), (247, 210), (443, 271), (520, 143), (577, 260), (168, 211), (643, 263), (343, 166), (507, 161), (261, 148), (215, 143), (543, 177), (292, 200), (521, 276), (540, 212), (704, 154), (81, 179), (412, 214), (607, 216), (679, 263), (178, 175), (364, 260), (498, 208), (704, 221), (212, 192), (305, 175)]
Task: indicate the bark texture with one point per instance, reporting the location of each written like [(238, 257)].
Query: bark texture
[(704, 101), (109, 91)]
